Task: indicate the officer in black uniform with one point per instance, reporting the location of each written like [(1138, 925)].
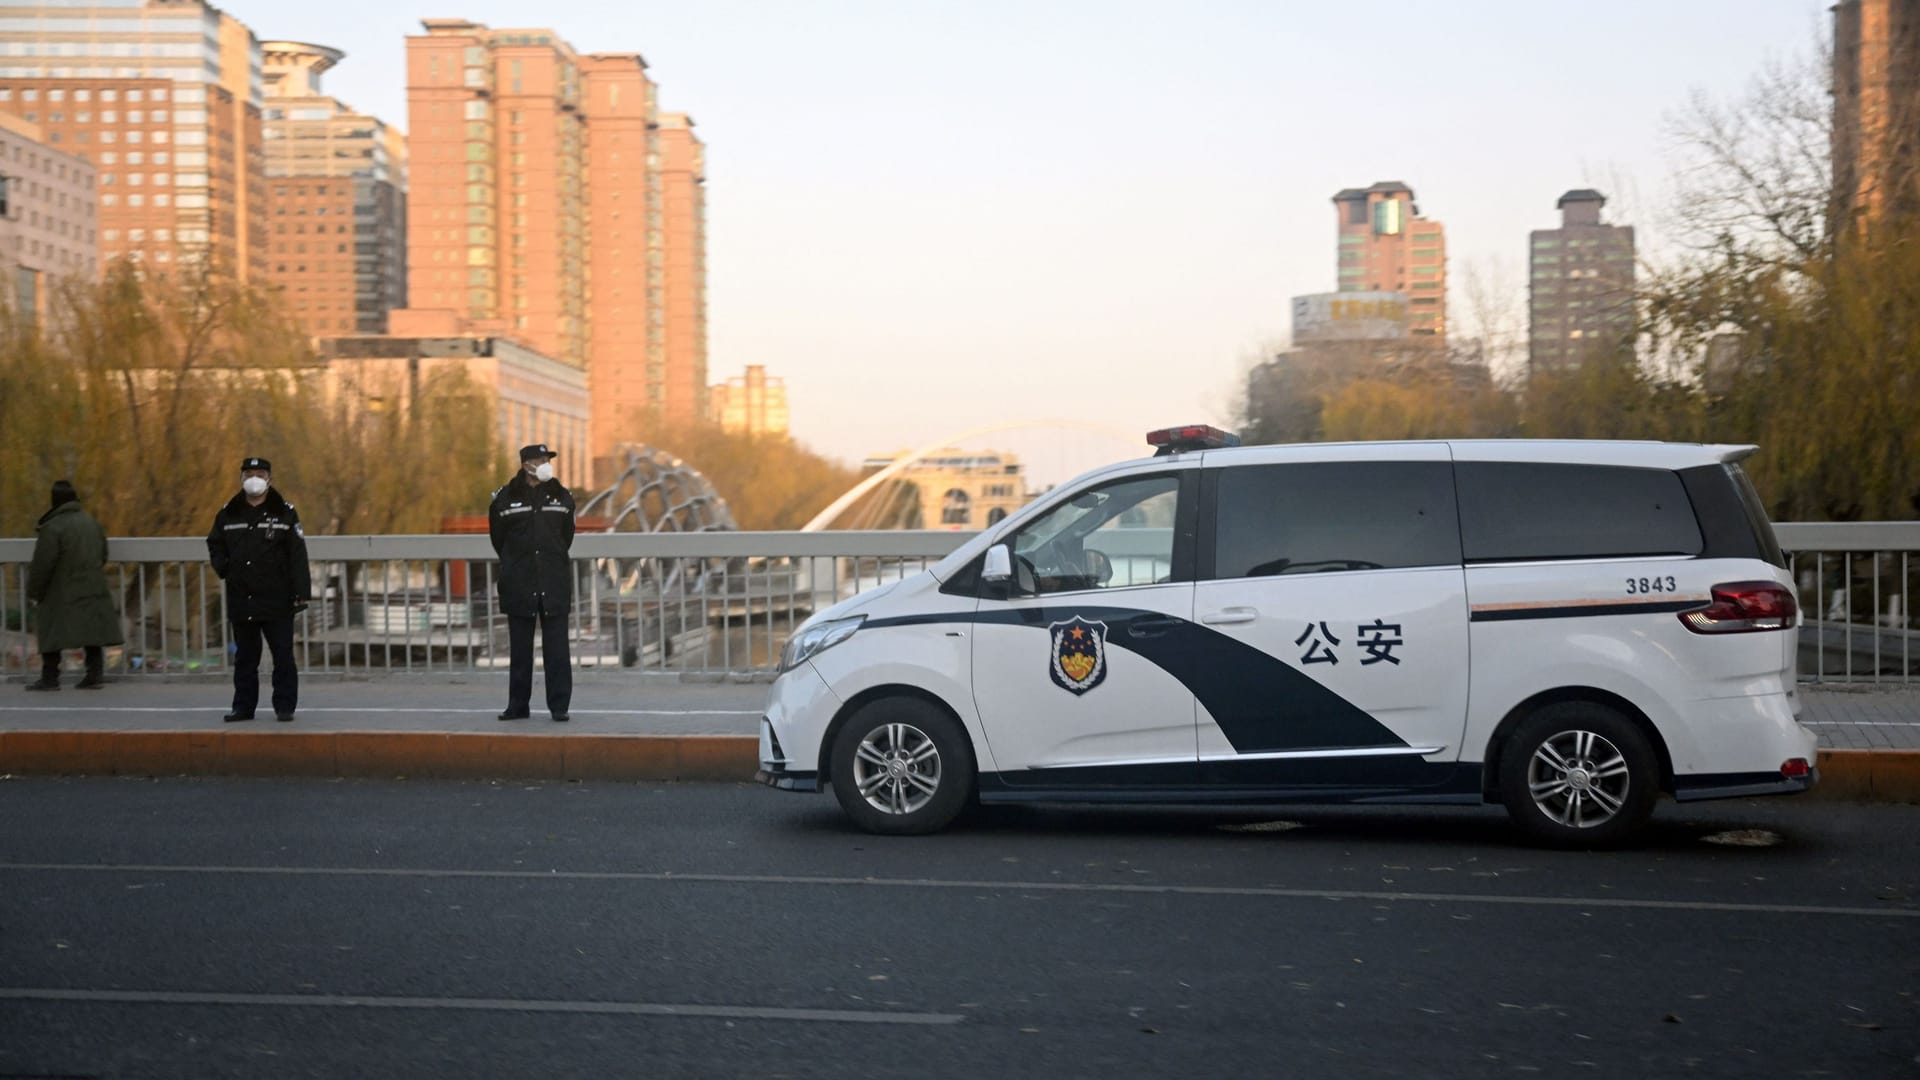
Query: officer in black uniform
[(258, 549), (531, 524)]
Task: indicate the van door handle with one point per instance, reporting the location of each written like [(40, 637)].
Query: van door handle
[(1230, 615), (1151, 627)]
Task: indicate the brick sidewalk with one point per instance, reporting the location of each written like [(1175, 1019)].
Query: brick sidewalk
[(1861, 717)]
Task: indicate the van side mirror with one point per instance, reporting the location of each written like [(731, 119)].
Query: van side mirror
[(998, 567)]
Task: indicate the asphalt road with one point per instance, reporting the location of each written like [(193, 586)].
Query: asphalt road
[(232, 928)]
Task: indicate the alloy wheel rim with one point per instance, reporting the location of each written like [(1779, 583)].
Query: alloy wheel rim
[(1579, 779), (896, 768)]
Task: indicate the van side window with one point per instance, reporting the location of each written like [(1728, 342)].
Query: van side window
[(1329, 516), (1109, 537), (1513, 511)]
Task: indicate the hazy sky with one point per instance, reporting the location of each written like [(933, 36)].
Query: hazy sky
[(933, 216)]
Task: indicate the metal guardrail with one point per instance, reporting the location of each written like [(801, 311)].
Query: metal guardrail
[(724, 603), (709, 603), (1856, 582)]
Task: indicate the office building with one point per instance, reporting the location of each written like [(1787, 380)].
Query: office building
[(536, 398), (751, 404), (162, 97), (1876, 109), (336, 184), (47, 218), (1580, 286), (1386, 246)]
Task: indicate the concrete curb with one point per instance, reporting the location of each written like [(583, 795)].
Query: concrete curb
[(435, 754), (1845, 775)]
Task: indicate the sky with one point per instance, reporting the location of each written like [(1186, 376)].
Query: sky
[(933, 216)]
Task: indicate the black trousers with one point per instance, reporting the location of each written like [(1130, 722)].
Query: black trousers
[(246, 665), (96, 664), (553, 650)]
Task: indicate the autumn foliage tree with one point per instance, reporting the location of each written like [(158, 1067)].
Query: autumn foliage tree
[(146, 391)]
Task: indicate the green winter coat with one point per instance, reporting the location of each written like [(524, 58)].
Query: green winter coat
[(69, 582)]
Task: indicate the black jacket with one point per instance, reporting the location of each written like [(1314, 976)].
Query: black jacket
[(531, 526), (260, 552)]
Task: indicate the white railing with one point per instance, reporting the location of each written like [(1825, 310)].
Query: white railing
[(1856, 582), (704, 603), (723, 603)]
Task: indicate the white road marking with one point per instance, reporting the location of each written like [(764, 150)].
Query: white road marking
[(603, 1008), (939, 883), (1861, 723), (371, 710)]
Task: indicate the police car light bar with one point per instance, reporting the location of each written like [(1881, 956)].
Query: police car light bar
[(1178, 440)]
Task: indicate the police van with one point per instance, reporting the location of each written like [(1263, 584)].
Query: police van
[(1568, 629)]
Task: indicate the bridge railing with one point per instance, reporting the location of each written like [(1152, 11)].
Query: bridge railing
[(1856, 582), (723, 604), (703, 603)]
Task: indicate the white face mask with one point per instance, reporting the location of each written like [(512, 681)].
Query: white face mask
[(543, 472), (255, 486)]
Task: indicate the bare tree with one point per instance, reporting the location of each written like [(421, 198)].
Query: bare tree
[(1759, 170)]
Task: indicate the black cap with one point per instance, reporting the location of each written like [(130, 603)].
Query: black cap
[(63, 492), (256, 463), (536, 450)]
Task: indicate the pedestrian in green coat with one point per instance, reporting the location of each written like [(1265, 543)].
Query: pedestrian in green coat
[(68, 585)]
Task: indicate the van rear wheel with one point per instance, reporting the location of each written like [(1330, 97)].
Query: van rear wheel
[(1577, 774), (900, 766)]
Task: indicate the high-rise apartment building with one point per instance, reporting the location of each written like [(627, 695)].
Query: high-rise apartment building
[(47, 217), (751, 404), (1386, 246), (1876, 109), (337, 199), (163, 98), (497, 229), (626, 260), (1580, 286), (537, 209), (683, 198)]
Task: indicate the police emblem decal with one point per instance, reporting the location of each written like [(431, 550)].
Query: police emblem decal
[(1078, 659)]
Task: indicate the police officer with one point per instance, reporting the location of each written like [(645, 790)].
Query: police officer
[(531, 525), (259, 550)]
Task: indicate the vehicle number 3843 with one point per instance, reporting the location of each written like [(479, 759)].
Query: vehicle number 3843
[(1650, 585)]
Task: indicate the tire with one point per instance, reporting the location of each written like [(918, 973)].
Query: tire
[(901, 767), (1579, 775)]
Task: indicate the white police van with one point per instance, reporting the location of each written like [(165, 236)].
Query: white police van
[(1567, 628)]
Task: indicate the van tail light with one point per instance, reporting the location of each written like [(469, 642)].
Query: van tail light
[(1795, 768), (1743, 607)]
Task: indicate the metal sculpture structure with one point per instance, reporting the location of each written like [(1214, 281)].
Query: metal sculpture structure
[(656, 492)]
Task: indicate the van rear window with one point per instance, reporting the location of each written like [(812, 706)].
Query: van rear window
[(1756, 516), (1512, 511)]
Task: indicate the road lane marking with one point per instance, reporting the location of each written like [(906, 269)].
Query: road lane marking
[(599, 1008), (1860, 723), (1271, 892), (370, 710)]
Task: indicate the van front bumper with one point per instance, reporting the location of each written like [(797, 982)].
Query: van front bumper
[(799, 708)]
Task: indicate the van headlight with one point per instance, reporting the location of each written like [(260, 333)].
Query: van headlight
[(816, 639)]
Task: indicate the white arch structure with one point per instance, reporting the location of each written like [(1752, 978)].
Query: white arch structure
[(853, 494)]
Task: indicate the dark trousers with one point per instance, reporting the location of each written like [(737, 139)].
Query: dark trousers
[(96, 664), (246, 665), (553, 650)]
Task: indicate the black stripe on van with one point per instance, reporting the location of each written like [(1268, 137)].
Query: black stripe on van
[(1570, 611)]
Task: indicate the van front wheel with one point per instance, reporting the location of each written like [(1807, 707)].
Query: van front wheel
[(1579, 775), (900, 766)]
